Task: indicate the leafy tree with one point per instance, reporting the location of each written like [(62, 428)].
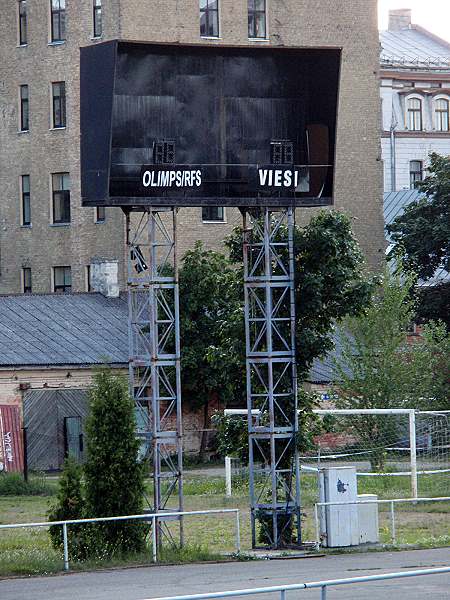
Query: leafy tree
[(330, 282), (114, 480), (421, 237), (69, 505), (212, 330), (378, 368)]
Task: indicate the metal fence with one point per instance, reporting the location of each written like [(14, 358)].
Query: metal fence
[(391, 502), (154, 517), (322, 585)]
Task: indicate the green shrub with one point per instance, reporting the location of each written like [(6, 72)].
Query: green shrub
[(13, 484), (114, 480), (69, 505)]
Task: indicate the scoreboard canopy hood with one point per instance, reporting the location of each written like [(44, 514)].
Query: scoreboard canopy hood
[(191, 125)]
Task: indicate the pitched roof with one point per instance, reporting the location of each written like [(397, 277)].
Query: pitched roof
[(62, 329), (414, 47)]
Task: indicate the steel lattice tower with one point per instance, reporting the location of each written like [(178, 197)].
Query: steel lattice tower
[(154, 350), (271, 372)]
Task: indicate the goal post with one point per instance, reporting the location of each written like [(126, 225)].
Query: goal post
[(422, 436)]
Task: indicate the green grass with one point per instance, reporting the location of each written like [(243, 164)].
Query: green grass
[(28, 551)]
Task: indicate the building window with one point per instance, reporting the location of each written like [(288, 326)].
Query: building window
[(97, 18), (24, 108), (442, 114), (415, 173), (209, 18), (100, 214), (88, 278), (58, 20), (256, 18), (26, 280), (23, 33), (62, 280), (61, 197), (415, 114), (59, 104), (213, 214), (26, 204)]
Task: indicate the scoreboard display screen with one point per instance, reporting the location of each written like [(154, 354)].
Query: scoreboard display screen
[(192, 125)]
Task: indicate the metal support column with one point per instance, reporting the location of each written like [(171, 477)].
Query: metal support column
[(271, 376), (154, 353)]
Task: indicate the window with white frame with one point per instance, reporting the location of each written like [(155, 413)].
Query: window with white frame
[(441, 114), (213, 214), (25, 201), (61, 198), (62, 280), (26, 280), (414, 114), (257, 19), (23, 25), (209, 18), (58, 20), (415, 173), (59, 104), (24, 108), (97, 18)]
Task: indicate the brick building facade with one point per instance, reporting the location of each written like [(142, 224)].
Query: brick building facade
[(40, 236)]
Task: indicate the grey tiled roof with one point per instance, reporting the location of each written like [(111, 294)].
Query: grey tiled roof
[(62, 329), (413, 47)]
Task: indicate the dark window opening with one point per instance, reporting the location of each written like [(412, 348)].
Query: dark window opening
[(256, 18), (26, 280), (62, 283), (415, 173), (164, 152), (24, 108), (59, 104), (213, 213), (23, 32), (97, 17), (26, 204), (100, 214), (281, 152), (73, 438), (58, 20), (209, 18), (61, 197), (88, 278)]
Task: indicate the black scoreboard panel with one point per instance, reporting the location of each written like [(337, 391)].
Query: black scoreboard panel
[(199, 125)]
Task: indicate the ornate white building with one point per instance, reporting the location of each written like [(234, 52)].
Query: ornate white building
[(415, 95)]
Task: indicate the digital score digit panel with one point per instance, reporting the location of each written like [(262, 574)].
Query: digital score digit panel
[(165, 125)]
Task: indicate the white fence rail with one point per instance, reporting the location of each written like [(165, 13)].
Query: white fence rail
[(322, 585), (391, 502), (154, 517)]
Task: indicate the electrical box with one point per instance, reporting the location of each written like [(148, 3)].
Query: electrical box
[(368, 519), (339, 524)]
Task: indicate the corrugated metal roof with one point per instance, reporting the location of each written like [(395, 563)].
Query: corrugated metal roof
[(413, 47), (62, 329)]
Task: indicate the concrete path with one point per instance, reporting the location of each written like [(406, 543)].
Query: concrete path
[(152, 582)]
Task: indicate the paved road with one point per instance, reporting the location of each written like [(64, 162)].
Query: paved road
[(151, 582)]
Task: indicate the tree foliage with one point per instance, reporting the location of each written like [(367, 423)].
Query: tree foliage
[(421, 237), (378, 368), (212, 328), (330, 282), (114, 480), (68, 505)]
